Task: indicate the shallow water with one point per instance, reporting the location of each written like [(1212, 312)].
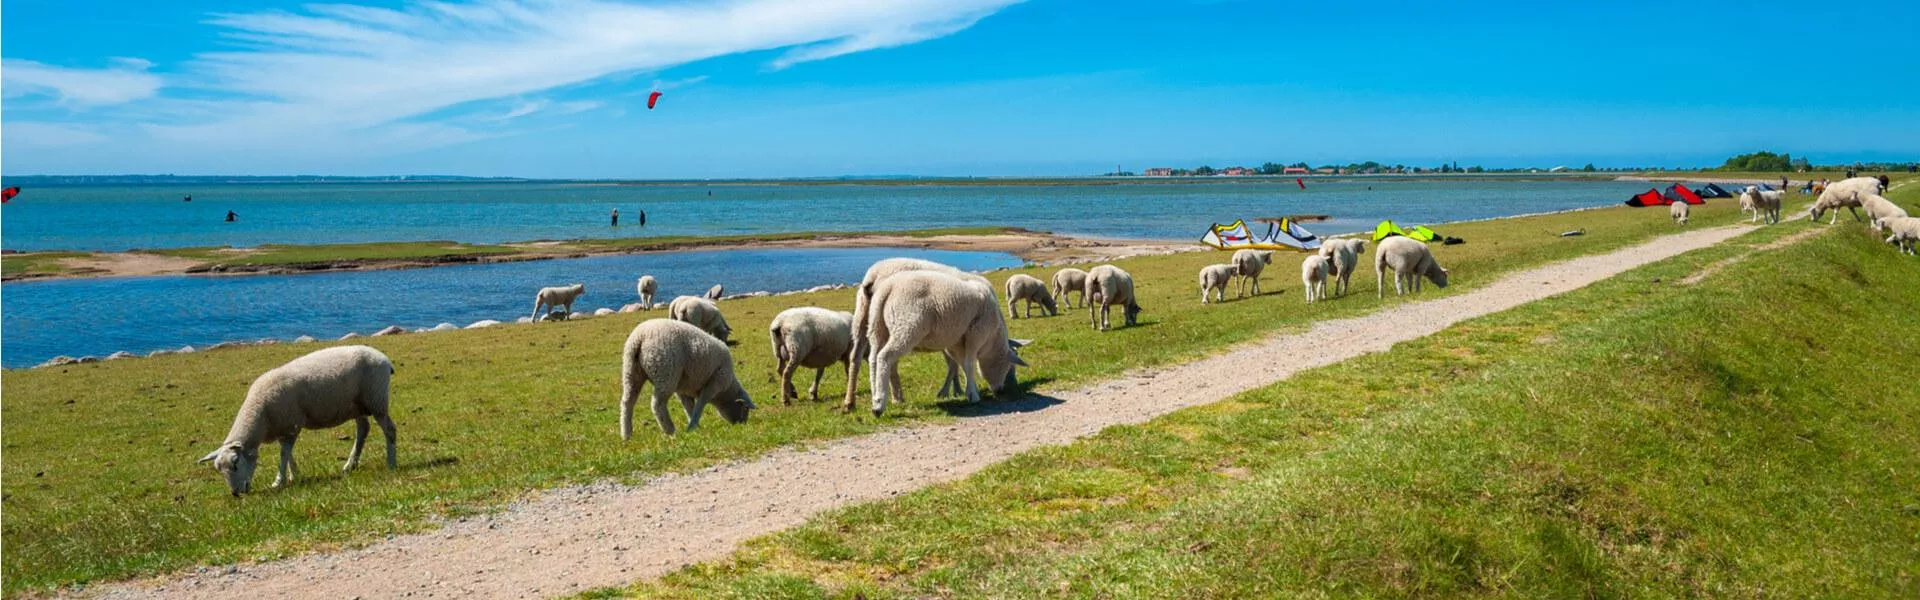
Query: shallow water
[(126, 217), (79, 317)]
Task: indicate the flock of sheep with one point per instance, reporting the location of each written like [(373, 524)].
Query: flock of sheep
[(902, 305), (1854, 194)]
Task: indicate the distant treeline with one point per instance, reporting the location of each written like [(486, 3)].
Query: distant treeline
[(1768, 162)]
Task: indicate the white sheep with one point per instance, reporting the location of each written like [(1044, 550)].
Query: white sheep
[(1904, 231), (1108, 285), (1679, 212), (1251, 263), (679, 359), (1313, 274), (1070, 281), (1023, 288), (1748, 202), (552, 297), (1879, 208), (1214, 280), (1343, 259), (317, 391), (810, 337), (647, 286), (863, 293), (1410, 261), (930, 310), (702, 313), (716, 292), (1767, 202), (1846, 193)]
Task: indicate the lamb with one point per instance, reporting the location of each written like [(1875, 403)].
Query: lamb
[(931, 310), (1847, 193), (1313, 273), (715, 293), (702, 313), (320, 390), (679, 359), (1029, 289), (809, 337), (553, 297), (1108, 285), (1343, 256), (1749, 201), (1070, 281), (647, 286), (1678, 211), (1904, 232), (1879, 208), (1410, 260), (864, 293), (1214, 280), (1251, 263)]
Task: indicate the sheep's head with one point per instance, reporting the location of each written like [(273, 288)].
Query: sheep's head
[(1359, 246), (1132, 313), (236, 464), (1265, 257), (1000, 370), (733, 404), (1439, 276), (1047, 302)]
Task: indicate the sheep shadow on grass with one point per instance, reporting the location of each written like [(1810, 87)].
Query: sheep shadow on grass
[(1023, 402)]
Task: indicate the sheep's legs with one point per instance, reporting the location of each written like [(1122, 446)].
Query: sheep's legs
[(815, 390), (885, 361), (949, 386), (536, 310), (660, 397), (288, 471), (696, 405), (387, 431), (360, 429), (971, 364), (786, 383)]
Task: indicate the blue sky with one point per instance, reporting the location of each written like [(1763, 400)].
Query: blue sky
[(766, 88)]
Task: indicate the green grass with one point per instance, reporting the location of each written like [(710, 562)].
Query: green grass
[(1754, 435), (36, 263), (100, 480)]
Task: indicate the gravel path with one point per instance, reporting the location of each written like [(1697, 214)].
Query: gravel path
[(574, 539)]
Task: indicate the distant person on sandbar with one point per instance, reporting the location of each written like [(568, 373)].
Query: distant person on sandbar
[(231, 217), (643, 218), (187, 198), (616, 217)]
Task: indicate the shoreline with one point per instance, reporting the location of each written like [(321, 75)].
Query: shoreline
[(1038, 247)]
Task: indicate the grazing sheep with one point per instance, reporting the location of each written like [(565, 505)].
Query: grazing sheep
[(1070, 281), (1410, 260), (679, 359), (1251, 263), (1879, 208), (716, 292), (1904, 232), (1679, 211), (702, 313), (1313, 273), (1343, 258), (316, 391), (1214, 280), (647, 286), (1846, 193), (1030, 290), (551, 297), (930, 310), (1108, 285), (863, 294), (809, 337)]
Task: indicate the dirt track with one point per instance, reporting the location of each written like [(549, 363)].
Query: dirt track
[(578, 538)]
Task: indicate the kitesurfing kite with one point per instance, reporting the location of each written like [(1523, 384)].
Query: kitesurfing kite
[(7, 195), (652, 98), (1302, 182), (1674, 193), (1282, 234), (1387, 229)]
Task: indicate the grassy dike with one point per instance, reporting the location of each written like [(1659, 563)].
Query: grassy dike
[(100, 480), (1754, 434)]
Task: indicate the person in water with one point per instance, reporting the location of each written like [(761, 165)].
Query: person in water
[(643, 218), (231, 217), (187, 198), (616, 217)]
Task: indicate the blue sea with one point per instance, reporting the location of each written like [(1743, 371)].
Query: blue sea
[(43, 319), (116, 218)]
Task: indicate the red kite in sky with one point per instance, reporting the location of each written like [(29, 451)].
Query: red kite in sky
[(652, 98)]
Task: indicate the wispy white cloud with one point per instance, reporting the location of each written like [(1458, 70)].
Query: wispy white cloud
[(345, 79), (127, 81)]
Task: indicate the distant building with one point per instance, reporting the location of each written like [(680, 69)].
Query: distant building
[(1294, 171), (1236, 171), (1324, 170), (1158, 172)]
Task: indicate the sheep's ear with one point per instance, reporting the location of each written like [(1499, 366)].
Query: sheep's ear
[(211, 455), (1018, 362), (1018, 343)]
